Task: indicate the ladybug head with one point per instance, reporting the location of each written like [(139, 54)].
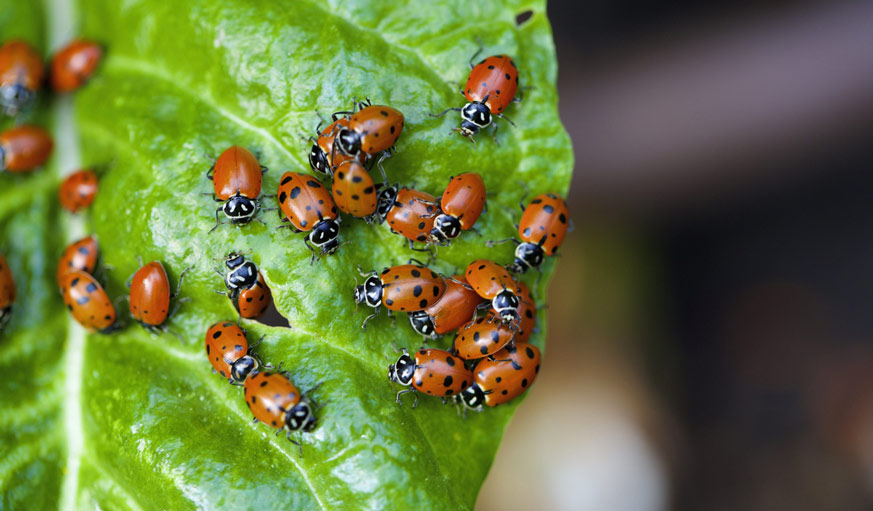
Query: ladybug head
[(242, 276), (472, 397), (240, 209), (325, 235), (233, 260), (242, 368), (401, 371), (527, 255), (300, 417), (506, 305), (445, 228), (370, 292), (15, 98), (474, 116), (385, 202), (423, 324), (348, 142), (318, 160)]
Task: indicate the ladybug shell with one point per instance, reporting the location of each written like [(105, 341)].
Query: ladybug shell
[(439, 373), (454, 308), (252, 302), (488, 278), (7, 286), (87, 301), (325, 143), (150, 294), (495, 78), (379, 125), (482, 338), (225, 344), (237, 171), (269, 396), (410, 217), (305, 201), (504, 381), (24, 148), (544, 220), (464, 198), (80, 255), (353, 190), (21, 65), (410, 287), (74, 64), (78, 190)]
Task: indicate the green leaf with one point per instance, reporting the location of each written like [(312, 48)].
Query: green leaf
[(135, 421)]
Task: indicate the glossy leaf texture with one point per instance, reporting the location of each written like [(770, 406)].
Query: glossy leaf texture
[(181, 81)]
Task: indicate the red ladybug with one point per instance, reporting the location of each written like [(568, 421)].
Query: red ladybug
[(80, 255), (412, 215), (73, 65), (460, 207), (24, 148), (229, 352), (87, 301), (309, 207), (373, 129), (150, 296), (481, 338), (275, 401), (322, 158), (502, 377), (432, 371), (490, 88), (236, 177), (252, 302), (454, 309), (7, 292), (543, 226), (407, 288), (20, 76), (353, 190), (492, 282), (78, 190)]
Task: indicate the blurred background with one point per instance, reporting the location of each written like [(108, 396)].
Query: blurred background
[(710, 329)]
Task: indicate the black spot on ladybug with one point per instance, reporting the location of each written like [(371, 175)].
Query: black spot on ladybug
[(504, 392), (313, 183), (498, 379), (422, 304), (449, 392), (295, 192), (548, 209), (562, 218), (484, 349), (524, 383), (355, 179), (383, 112), (495, 337), (285, 181), (255, 398), (415, 273), (436, 291), (528, 313), (216, 335), (508, 77), (264, 383), (74, 282), (526, 231), (274, 424), (368, 190), (82, 300), (355, 197), (490, 67), (419, 383), (303, 223), (529, 352), (450, 361), (484, 84), (389, 302), (448, 381), (475, 336), (416, 291), (421, 225), (497, 92), (536, 201), (249, 299), (81, 250), (481, 266)]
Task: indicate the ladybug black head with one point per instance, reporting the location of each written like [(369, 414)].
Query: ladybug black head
[(527, 255), (234, 260), (445, 228), (472, 397), (385, 202), (300, 417), (325, 235), (506, 305), (348, 142), (15, 98), (423, 324), (401, 371), (318, 160), (474, 116), (242, 368), (240, 209), (242, 276), (370, 292)]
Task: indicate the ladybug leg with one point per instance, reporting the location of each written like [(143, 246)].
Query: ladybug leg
[(491, 243), (393, 320), (217, 220), (456, 281), (384, 156), (179, 284), (444, 112), (406, 391), (314, 254), (210, 172), (481, 48), (255, 420), (336, 115), (520, 96), (176, 305), (416, 261), (264, 169), (295, 442), (507, 119), (371, 316)]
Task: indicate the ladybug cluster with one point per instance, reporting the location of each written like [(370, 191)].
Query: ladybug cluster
[(491, 313)]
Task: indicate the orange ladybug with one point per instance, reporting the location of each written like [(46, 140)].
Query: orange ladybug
[(492, 282), (275, 401), (80, 255), (353, 190), (481, 338), (308, 206), (20, 76), (24, 148), (252, 302), (460, 207), (229, 352), (150, 296), (432, 371), (7, 292), (236, 178), (87, 301), (322, 158), (73, 65), (490, 88), (544, 223), (502, 377), (78, 190), (407, 288), (373, 129), (454, 309), (412, 215)]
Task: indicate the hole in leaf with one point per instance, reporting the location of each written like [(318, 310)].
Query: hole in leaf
[(522, 17), (271, 317)]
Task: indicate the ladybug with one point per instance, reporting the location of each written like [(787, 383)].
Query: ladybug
[(407, 288), (384, 202), (492, 282), (80, 255), (78, 190), (20, 76), (236, 178), (275, 401), (543, 226), (490, 88), (252, 302), (432, 371), (87, 301), (353, 190), (229, 352), (412, 215), (242, 274), (7, 292), (373, 129), (502, 377), (481, 338), (322, 158), (24, 148), (73, 65), (460, 207), (150, 296), (455, 308), (309, 207), (527, 314)]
